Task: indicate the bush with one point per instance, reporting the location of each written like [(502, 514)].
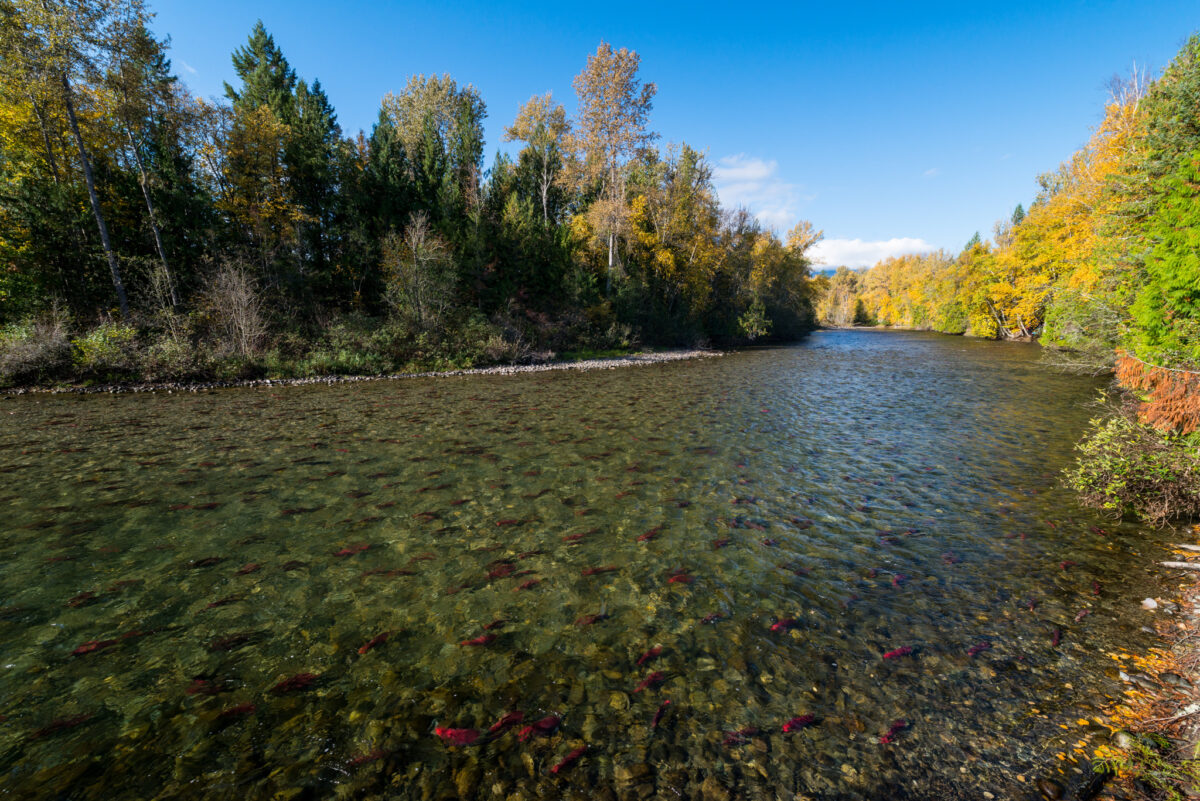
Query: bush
[(235, 305), (108, 350), (35, 351), (753, 324), (171, 359), (1153, 760), (1127, 467), (481, 342)]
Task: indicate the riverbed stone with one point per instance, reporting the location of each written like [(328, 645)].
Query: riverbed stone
[(1049, 789), (711, 789)]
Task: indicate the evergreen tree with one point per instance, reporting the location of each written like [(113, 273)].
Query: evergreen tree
[(267, 78), (1166, 314), (315, 155)]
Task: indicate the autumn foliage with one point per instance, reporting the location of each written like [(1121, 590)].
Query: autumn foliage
[(127, 196), (1170, 398)]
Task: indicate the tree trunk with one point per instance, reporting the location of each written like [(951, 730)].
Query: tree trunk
[(1024, 330), (158, 244), (612, 241), (545, 189), (91, 186), (1003, 332)]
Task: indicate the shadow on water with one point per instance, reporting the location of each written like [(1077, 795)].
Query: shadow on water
[(320, 591)]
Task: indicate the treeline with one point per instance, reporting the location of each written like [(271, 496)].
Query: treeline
[(1104, 268), (148, 233)]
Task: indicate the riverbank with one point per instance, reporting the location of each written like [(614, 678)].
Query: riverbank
[(1155, 750), (606, 363)]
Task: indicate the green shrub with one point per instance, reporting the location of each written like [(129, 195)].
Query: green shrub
[(345, 361), (753, 324), (171, 359), (1127, 467), (108, 350), (479, 342), (1151, 759)]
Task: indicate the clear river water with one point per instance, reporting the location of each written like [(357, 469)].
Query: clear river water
[(848, 565)]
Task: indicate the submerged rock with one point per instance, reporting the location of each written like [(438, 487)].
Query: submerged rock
[(1049, 789), (712, 790)]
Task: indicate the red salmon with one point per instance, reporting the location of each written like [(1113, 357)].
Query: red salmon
[(651, 654), (658, 716), (797, 723), (544, 726), (60, 725), (741, 736), (651, 681), (93, 645), (237, 711), (507, 721), (587, 620), (297, 683), (482, 639), (649, 535), (378, 639), (457, 736), (893, 730), (569, 759)]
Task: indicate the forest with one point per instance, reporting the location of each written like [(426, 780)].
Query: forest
[(1104, 270), (147, 234)]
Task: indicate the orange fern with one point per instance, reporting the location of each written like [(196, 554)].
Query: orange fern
[(1171, 399)]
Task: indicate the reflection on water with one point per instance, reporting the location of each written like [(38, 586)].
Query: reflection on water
[(337, 591)]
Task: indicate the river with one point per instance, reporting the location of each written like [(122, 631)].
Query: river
[(289, 593)]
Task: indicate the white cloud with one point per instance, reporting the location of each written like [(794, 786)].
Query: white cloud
[(932, 171), (187, 66), (858, 253), (755, 184)]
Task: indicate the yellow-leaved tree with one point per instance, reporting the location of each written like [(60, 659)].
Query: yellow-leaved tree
[(610, 128)]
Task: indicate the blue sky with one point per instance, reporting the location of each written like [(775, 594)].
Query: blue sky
[(892, 126)]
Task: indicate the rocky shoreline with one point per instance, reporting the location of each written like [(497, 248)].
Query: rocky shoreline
[(1161, 709), (610, 363)]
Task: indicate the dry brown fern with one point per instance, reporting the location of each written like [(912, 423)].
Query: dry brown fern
[(1171, 399)]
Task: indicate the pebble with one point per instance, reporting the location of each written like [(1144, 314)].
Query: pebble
[(627, 775), (712, 790), (1175, 680), (1050, 789)]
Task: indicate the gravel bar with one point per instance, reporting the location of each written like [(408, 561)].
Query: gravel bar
[(632, 360)]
